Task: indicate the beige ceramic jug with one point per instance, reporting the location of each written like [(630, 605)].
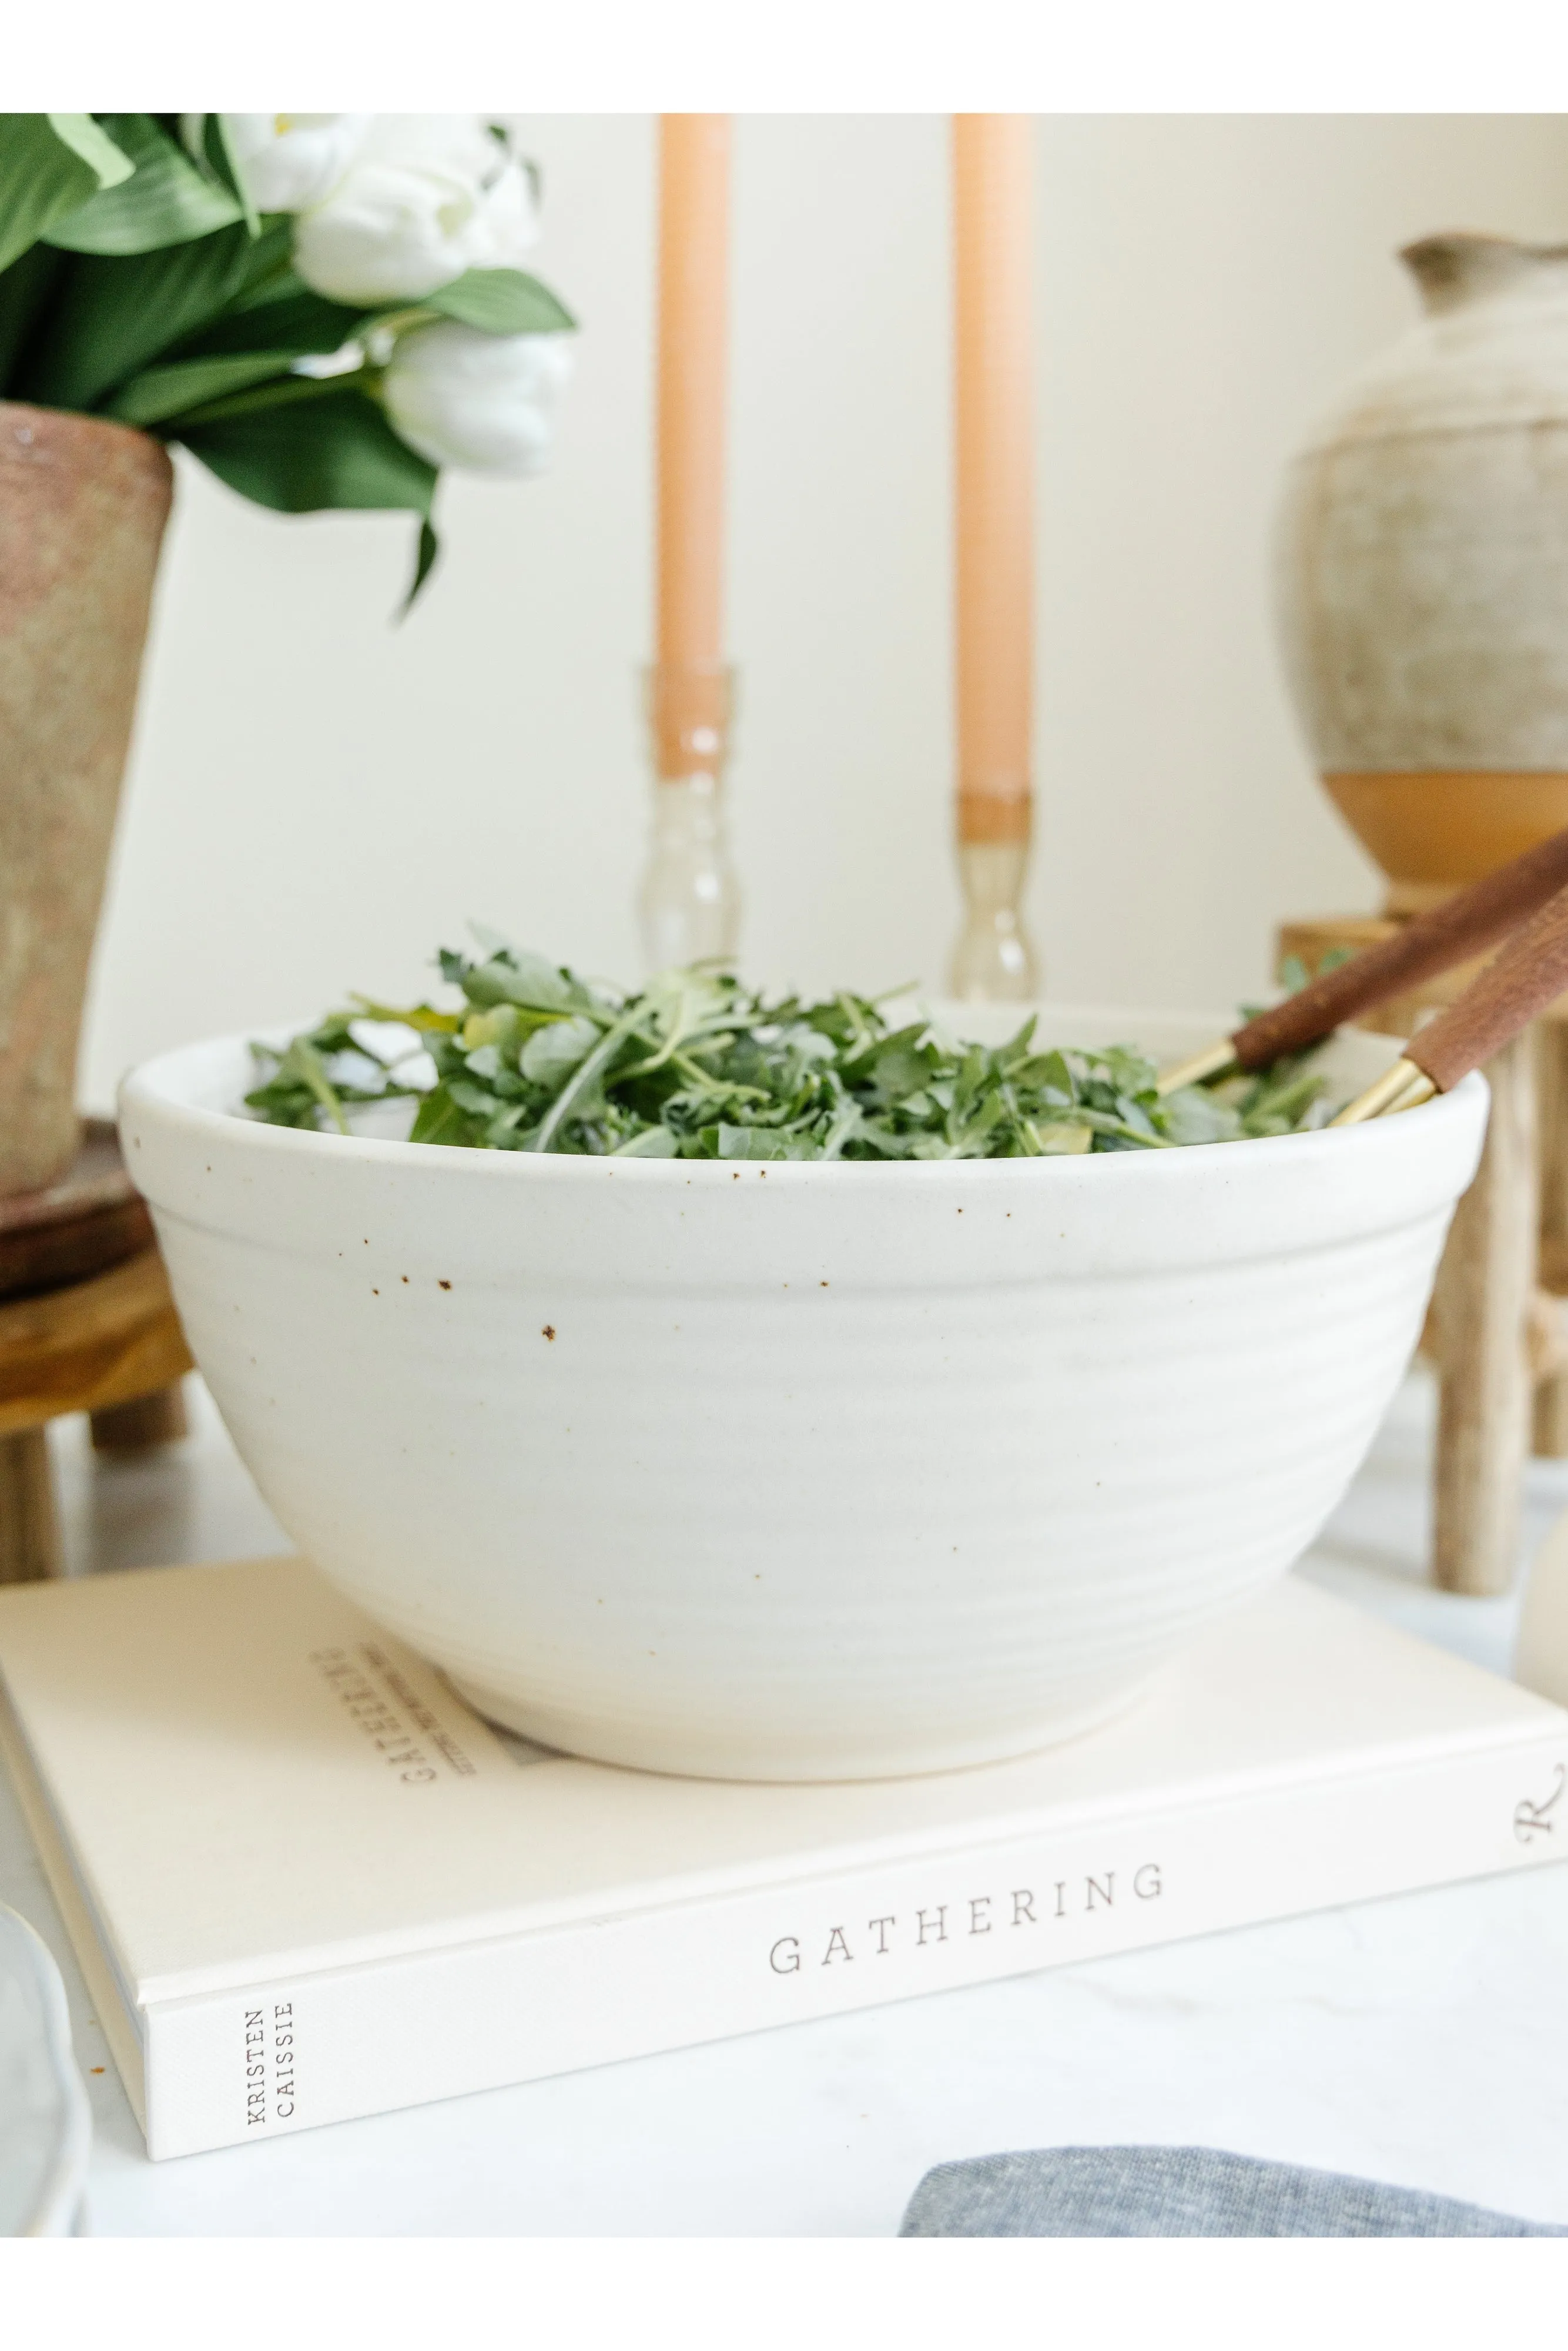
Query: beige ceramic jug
[(1422, 574)]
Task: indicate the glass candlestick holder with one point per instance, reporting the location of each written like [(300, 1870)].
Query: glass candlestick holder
[(994, 960), (689, 900)]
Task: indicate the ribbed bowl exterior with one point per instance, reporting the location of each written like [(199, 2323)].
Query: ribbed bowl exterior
[(778, 1471)]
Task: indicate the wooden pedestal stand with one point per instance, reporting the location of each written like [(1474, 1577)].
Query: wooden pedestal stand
[(86, 1324), (1497, 1330)]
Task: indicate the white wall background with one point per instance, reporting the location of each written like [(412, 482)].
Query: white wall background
[(317, 798)]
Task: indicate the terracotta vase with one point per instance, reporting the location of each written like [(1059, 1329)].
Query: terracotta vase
[(82, 509), (1422, 574)]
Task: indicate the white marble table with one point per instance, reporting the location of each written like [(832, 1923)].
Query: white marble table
[(1423, 2040)]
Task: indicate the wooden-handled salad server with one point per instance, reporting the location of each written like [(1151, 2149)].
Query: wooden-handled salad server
[(1529, 975), (1527, 898)]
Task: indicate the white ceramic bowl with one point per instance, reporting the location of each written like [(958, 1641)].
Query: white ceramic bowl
[(46, 2127), (800, 1471)]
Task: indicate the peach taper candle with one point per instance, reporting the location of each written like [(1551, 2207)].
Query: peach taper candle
[(994, 551), (689, 901)]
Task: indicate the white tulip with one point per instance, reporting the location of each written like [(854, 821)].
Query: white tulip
[(290, 161), (486, 402), (425, 197)]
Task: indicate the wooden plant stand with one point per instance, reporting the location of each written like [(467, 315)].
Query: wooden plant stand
[(86, 1324), (1497, 1330)]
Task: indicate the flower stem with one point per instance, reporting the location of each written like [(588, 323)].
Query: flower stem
[(280, 392)]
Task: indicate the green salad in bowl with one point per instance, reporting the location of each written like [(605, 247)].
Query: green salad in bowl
[(696, 1066)]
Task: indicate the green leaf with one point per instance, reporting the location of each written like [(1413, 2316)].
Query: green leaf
[(760, 1142), (552, 1052), (693, 1066), (267, 263), (26, 289), (91, 141), (423, 1018), (172, 392), (281, 315), (439, 1120), (501, 302), (479, 1100), (166, 201), (219, 157), (510, 975), (49, 163), (303, 1062), (653, 1142), (277, 392), (1193, 1115), (114, 315), (425, 553), (335, 449)]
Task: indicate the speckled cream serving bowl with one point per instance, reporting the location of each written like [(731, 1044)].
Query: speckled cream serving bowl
[(789, 1471)]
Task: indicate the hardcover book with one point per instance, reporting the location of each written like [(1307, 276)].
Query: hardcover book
[(306, 1882)]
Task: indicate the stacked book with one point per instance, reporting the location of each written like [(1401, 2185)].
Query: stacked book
[(305, 1882)]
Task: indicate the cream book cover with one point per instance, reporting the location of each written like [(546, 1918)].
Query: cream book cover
[(306, 1882)]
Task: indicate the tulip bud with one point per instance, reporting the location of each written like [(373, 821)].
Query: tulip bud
[(290, 161), (484, 402)]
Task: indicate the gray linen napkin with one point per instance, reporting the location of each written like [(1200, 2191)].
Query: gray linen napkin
[(1180, 2192)]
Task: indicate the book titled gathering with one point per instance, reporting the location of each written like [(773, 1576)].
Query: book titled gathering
[(421, 1907)]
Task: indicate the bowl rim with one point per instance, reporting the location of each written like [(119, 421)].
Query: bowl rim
[(59, 2183), (153, 1087)]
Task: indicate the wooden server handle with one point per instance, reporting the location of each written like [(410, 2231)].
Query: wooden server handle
[(1463, 926), (1529, 975)]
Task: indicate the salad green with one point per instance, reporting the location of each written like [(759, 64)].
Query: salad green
[(695, 1066)]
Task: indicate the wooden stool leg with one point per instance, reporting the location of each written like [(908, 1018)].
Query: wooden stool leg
[(1550, 1418), (29, 1531), (1485, 1288), (135, 1428)]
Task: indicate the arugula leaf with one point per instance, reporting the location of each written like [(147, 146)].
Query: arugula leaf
[(440, 1120), (693, 1066)]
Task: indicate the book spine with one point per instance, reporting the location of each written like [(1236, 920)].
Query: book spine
[(230, 2068)]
